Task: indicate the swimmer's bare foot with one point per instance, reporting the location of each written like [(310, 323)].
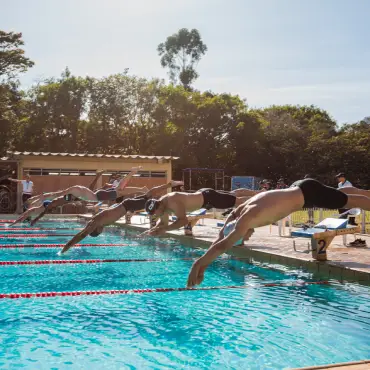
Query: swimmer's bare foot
[(136, 169), (176, 183)]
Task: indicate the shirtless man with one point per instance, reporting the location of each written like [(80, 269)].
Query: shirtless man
[(107, 217), (40, 207), (180, 203), (271, 206), (83, 193)]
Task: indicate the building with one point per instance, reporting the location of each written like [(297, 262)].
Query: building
[(56, 171)]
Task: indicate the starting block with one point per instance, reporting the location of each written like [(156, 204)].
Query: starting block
[(322, 235)]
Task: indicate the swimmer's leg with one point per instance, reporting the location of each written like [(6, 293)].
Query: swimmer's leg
[(96, 178), (355, 191), (358, 201), (124, 182)]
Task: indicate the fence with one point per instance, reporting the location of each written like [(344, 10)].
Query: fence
[(318, 214)]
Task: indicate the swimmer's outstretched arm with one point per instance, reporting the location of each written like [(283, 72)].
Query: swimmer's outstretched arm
[(162, 227), (57, 202), (219, 247), (30, 212), (90, 227)]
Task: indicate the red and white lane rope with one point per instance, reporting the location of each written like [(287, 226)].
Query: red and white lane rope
[(38, 229), (154, 290), (71, 262), (15, 246), (32, 235)]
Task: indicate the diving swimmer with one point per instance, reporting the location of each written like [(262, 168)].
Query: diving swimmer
[(180, 203), (108, 216), (83, 193), (269, 207)]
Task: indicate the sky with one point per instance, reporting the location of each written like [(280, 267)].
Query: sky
[(266, 51)]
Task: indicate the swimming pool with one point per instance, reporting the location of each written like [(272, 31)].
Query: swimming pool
[(258, 327)]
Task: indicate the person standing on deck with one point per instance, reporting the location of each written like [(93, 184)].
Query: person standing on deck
[(27, 189)]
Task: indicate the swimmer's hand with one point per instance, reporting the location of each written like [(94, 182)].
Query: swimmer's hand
[(154, 232), (196, 274)]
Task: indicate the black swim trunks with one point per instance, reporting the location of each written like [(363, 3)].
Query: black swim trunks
[(317, 195), (135, 204), (216, 199), (104, 195)]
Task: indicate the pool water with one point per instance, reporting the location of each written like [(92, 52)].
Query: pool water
[(275, 327)]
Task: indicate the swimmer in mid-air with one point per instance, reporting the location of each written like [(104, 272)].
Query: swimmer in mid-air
[(39, 207), (271, 206), (83, 193), (180, 203), (108, 216)]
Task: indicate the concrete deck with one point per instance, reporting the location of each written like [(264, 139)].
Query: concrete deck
[(357, 365)]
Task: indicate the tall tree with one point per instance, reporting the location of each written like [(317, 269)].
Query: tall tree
[(12, 59), (180, 54)]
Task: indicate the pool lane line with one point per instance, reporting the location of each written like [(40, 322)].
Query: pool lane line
[(15, 246), (42, 221), (72, 262), (32, 236), (154, 290), (7, 229)]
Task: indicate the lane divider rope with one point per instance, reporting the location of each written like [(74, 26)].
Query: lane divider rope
[(71, 262), (154, 290), (14, 246), (33, 235), (7, 229)]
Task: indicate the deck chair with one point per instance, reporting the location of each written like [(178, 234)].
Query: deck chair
[(322, 235)]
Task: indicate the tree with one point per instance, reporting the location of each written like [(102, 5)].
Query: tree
[(12, 59), (180, 53)]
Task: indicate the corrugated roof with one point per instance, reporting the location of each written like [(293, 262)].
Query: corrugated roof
[(117, 156)]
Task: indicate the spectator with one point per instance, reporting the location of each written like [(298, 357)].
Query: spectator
[(344, 183), (265, 185), (27, 189), (281, 184)]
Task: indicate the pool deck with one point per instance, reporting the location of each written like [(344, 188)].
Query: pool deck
[(357, 365)]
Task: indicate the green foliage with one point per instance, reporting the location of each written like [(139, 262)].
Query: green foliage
[(131, 115), (180, 54), (12, 59)]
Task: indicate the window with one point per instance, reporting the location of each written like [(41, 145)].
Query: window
[(74, 172)]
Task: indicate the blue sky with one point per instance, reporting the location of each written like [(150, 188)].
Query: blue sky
[(267, 51)]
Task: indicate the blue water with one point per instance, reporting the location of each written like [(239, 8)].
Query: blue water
[(253, 328)]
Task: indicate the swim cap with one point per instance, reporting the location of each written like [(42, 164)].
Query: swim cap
[(229, 228), (46, 203), (151, 206), (69, 198), (96, 232)]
